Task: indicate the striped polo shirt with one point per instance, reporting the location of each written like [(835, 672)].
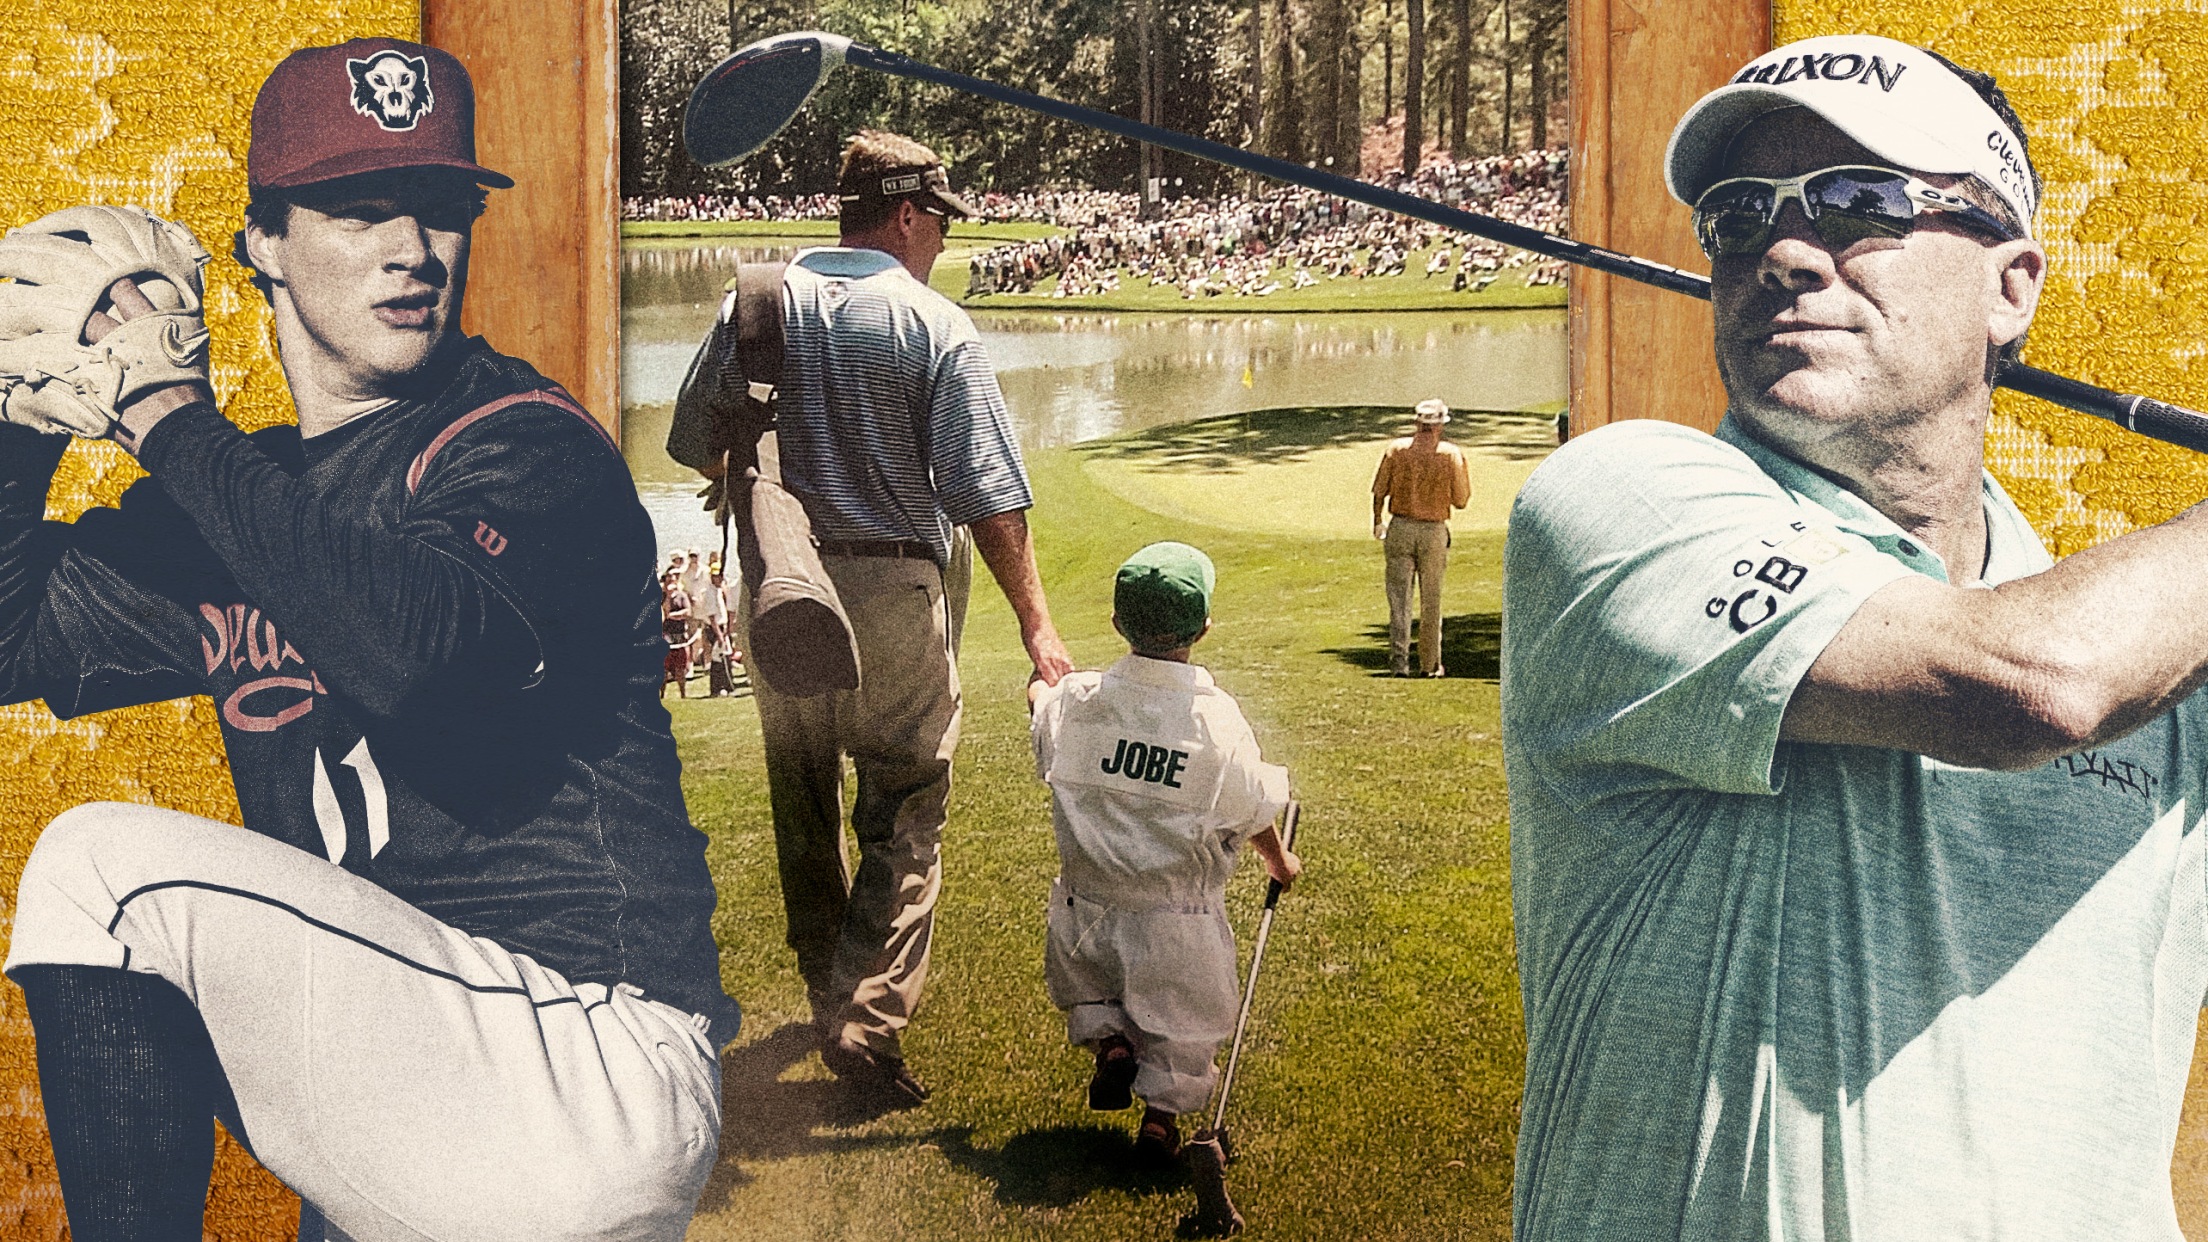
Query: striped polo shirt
[(891, 425)]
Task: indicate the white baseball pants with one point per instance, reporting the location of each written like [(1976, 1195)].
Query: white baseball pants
[(411, 1082)]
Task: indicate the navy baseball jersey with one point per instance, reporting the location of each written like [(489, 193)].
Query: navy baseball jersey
[(432, 638)]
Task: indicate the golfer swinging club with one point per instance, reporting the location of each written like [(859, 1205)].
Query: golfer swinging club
[(1856, 846)]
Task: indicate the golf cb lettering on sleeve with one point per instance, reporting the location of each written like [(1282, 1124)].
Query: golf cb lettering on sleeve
[(1777, 575), (1140, 761)]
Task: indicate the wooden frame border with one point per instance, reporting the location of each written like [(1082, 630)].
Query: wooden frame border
[(545, 279), (1636, 65)]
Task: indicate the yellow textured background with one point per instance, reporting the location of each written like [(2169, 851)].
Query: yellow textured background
[(2112, 95), (145, 102)]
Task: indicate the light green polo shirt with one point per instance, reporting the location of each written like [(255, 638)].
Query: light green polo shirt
[(1780, 990)]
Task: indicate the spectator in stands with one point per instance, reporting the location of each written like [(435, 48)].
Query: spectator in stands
[(674, 625)]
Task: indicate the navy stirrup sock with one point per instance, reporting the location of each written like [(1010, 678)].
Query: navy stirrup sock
[(131, 1087)]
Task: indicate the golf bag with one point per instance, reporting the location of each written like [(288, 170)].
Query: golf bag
[(801, 642)]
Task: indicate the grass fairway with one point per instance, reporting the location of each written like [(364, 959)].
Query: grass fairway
[(1378, 1095), (1412, 289)]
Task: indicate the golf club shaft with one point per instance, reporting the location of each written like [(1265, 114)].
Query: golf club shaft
[(1289, 820), (2158, 420), (1281, 170)]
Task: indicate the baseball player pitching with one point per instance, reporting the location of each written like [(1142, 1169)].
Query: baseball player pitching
[(454, 978)]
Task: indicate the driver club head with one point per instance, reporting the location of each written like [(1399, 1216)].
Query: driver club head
[(748, 98)]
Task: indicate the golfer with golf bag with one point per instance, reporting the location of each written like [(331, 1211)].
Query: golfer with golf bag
[(1856, 846)]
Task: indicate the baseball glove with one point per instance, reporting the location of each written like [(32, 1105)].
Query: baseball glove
[(60, 270)]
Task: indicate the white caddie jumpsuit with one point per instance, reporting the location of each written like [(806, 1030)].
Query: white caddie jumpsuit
[(1156, 783)]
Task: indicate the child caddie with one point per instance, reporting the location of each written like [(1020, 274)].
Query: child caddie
[(1156, 783)]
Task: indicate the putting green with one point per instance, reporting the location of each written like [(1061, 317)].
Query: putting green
[(1306, 472)]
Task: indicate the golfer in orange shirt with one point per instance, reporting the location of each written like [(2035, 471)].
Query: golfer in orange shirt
[(1421, 478)]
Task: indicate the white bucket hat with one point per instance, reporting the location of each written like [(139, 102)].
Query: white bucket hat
[(1433, 411), (1894, 99)]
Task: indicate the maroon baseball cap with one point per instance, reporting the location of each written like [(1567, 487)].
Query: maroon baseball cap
[(367, 105)]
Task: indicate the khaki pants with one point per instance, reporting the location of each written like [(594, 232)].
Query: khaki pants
[(1417, 551), (862, 939)]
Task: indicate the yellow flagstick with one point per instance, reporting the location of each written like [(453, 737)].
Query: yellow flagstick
[(1249, 372)]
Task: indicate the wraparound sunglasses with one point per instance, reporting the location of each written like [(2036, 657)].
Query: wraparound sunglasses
[(1844, 206)]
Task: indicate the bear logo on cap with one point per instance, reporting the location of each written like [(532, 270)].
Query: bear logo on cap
[(391, 88)]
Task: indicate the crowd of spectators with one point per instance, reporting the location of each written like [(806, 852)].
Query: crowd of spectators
[(730, 207), (695, 619), (1288, 237)]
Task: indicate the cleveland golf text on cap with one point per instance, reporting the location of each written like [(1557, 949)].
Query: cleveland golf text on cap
[(1896, 100)]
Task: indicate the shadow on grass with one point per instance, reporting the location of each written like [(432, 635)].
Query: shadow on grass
[(766, 1118), (1471, 647), (1059, 1166), (1273, 437)]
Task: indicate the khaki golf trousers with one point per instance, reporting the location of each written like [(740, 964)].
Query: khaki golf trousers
[(862, 939), (1419, 551)]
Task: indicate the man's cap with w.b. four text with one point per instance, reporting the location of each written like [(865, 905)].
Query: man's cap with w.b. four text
[(1898, 101), (927, 184)]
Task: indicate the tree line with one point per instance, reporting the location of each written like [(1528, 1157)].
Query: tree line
[(1359, 86)]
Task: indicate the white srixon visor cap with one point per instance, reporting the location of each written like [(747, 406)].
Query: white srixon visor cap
[(1894, 99)]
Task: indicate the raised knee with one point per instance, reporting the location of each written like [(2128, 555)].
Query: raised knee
[(106, 843), (86, 830), (70, 880)]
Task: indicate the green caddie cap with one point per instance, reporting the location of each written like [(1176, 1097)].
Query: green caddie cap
[(1163, 594)]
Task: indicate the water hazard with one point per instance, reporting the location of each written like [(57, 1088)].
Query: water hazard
[(1075, 376)]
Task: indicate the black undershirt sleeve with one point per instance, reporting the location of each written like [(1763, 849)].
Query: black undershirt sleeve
[(85, 621), (27, 551), (390, 614)]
